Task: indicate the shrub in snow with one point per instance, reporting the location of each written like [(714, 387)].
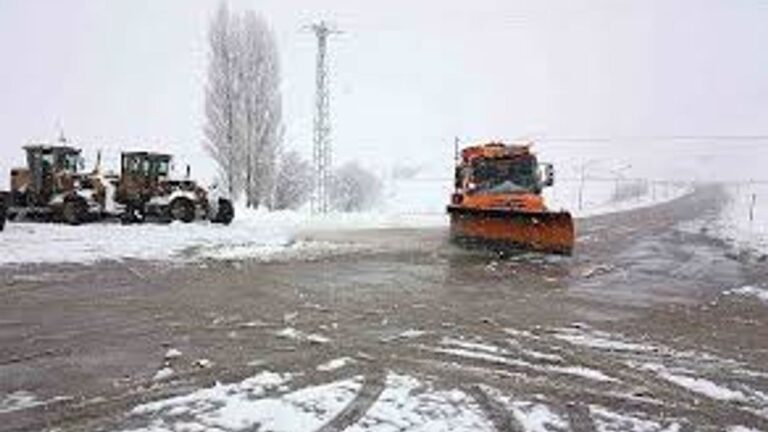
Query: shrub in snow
[(626, 190), (294, 182), (354, 188)]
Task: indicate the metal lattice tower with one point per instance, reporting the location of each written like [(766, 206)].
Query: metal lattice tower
[(321, 153)]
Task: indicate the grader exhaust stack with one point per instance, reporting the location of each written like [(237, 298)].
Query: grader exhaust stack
[(497, 201)]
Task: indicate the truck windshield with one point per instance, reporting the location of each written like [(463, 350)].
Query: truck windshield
[(505, 175)]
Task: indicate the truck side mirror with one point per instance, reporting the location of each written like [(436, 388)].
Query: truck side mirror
[(548, 175)]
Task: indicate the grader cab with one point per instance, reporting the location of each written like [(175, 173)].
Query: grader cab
[(50, 170), (146, 190), (51, 186)]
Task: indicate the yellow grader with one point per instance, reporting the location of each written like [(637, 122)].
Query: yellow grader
[(52, 187)]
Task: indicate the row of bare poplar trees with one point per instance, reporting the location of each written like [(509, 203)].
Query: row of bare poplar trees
[(244, 123), (243, 105)]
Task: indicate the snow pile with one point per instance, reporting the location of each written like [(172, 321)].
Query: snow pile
[(21, 400), (254, 234), (163, 374), (334, 364), (744, 221), (41, 242), (246, 406), (17, 401), (304, 250), (696, 384), (741, 429), (750, 291), (298, 335)]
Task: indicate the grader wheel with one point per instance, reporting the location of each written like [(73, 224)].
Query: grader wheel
[(225, 213), (73, 212), (182, 209)]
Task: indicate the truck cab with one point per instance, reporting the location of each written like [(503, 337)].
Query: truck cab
[(501, 176)]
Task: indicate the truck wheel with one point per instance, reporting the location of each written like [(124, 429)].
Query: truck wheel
[(182, 209), (73, 212), (226, 212)]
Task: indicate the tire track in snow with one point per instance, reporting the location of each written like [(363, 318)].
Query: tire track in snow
[(373, 386), (494, 411), (579, 417)]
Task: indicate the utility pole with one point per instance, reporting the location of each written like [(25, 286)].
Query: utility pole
[(322, 156)]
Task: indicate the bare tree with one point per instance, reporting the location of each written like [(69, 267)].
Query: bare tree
[(259, 108), (354, 188), (221, 135), (243, 104), (293, 185)]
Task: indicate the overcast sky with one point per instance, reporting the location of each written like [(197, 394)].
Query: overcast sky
[(407, 76)]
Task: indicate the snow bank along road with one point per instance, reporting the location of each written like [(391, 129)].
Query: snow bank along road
[(649, 327)]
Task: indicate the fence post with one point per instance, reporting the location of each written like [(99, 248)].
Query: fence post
[(581, 187), (752, 207)]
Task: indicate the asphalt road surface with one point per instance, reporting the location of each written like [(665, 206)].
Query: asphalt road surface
[(637, 323)]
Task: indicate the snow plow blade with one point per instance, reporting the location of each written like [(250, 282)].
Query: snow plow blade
[(506, 229)]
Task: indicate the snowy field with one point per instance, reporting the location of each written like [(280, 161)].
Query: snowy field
[(263, 235), (272, 236)]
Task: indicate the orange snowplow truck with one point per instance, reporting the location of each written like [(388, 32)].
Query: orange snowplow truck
[(497, 201)]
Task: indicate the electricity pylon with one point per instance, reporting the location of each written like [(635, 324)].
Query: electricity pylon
[(322, 154)]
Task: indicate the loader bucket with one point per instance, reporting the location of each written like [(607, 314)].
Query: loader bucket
[(505, 229)]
